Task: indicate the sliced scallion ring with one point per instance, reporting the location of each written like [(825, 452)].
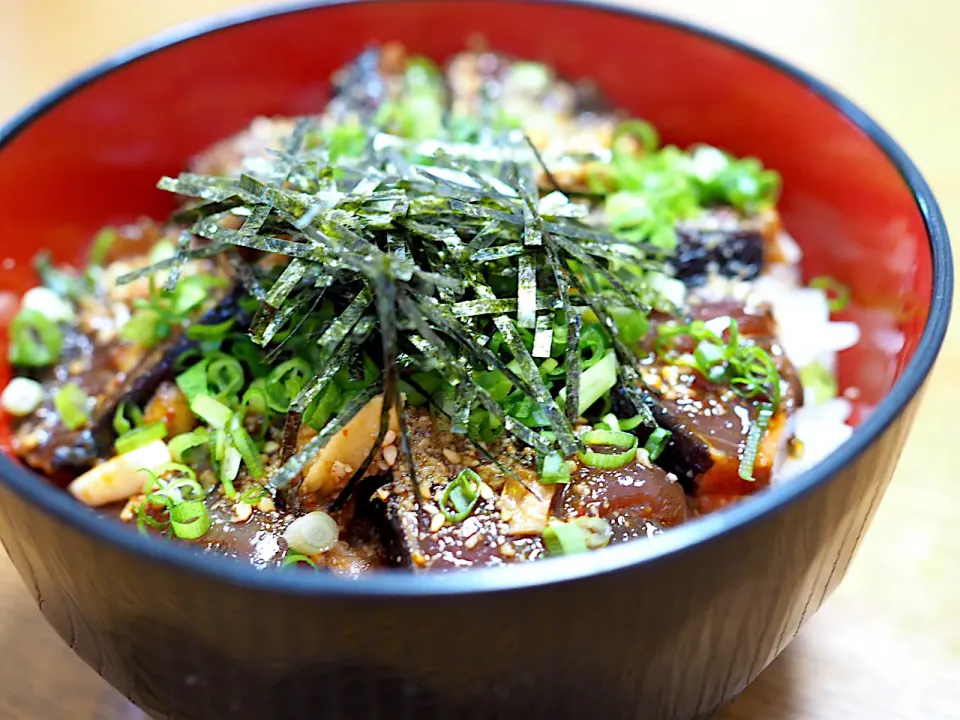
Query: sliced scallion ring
[(623, 441), (212, 411), (630, 423), (229, 469), (181, 443), (225, 376), (246, 446), (72, 403), (838, 294), (657, 442), (138, 437), (295, 558), (564, 539), (555, 469), (190, 520), (461, 496), (35, 340)]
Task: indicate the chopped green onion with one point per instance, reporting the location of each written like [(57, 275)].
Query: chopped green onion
[(146, 327), (707, 355), (64, 281), (190, 293), (461, 496), (564, 539), (185, 483), (749, 370), (127, 417), (210, 332), (657, 442), (623, 441), (495, 383), (247, 352), (102, 243), (138, 437), (211, 411), (610, 421), (593, 344), (631, 423), (229, 469), (162, 250), (193, 381), (144, 517), (174, 488), (253, 494), (632, 324), (248, 450), (218, 444), (35, 340), (597, 531), (596, 381), (181, 443), (72, 404), (819, 381), (555, 469), (176, 467), (285, 382), (838, 294), (190, 520), (637, 130), (295, 558), (325, 406), (754, 437), (224, 376), (756, 374)]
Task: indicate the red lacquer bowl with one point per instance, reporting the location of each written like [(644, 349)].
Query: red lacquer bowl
[(671, 628)]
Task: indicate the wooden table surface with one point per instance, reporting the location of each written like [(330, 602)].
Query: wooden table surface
[(887, 644)]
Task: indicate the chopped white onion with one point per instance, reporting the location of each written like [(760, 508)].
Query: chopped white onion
[(46, 301), (791, 252), (839, 336), (21, 396), (672, 289), (312, 534)]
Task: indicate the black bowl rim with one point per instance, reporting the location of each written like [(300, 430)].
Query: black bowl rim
[(64, 508)]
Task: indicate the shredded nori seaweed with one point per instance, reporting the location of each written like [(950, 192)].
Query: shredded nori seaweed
[(447, 253)]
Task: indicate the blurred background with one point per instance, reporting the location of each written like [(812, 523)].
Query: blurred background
[(887, 644)]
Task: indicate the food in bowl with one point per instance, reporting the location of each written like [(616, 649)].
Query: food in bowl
[(463, 317)]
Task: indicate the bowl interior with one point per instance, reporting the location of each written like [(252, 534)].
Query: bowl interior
[(92, 156)]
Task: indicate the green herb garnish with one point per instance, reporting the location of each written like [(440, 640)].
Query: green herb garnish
[(461, 496), (838, 294), (35, 340), (73, 405)]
